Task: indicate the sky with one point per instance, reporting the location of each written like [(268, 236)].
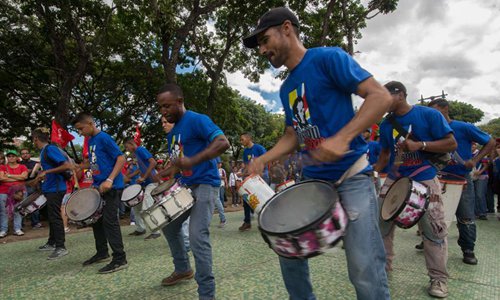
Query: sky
[(428, 45)]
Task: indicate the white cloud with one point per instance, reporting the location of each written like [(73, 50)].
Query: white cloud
[(267, 84)]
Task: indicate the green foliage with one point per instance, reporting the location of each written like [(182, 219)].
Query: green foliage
[(492, 127), (465, 112)]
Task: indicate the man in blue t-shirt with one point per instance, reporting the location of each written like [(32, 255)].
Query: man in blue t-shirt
[(320, 119), (250, 152), (462, 164), (193, 144), (147, 165), (105, 161), (415, 129), (53, 188)]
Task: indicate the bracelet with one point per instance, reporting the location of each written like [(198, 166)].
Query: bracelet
[(424, 144), (109, 179)]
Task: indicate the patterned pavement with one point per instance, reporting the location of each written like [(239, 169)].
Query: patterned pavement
[(244, 268)]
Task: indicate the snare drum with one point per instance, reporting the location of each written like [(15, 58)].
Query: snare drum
[(255, 192), (405, 202), (452, 187), (84, 207), (132, 195), (172, 206), (303, 220), (163, 189), (30, 204), (284, 185)]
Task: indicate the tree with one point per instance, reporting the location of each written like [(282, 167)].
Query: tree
[(465, 112), (492, 127)]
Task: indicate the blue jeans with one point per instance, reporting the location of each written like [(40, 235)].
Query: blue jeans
[(363, 244), (480, 187), (4, 218), (222, 192), (199, 238), (466, 217), (219, 203)]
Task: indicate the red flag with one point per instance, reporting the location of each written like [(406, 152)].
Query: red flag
[(374, 132), (137, 135), (85, 150), (60, 135)]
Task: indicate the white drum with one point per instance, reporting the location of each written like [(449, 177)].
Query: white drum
[(255, 192), (132, 195), (451, 189), (284, 185), (169, 208), (31, 204)]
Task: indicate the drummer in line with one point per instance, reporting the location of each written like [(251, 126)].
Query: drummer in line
[(426, 129), (319, 117), (53, 188)]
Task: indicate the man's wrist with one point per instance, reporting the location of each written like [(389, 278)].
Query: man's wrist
[(110, 180), (424, 145)]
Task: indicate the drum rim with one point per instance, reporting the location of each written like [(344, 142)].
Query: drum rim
[(459, 179), (72, 196), (28, 197), (132, 185), (304, 228), (400, 209), (285, 182), (154, 194)]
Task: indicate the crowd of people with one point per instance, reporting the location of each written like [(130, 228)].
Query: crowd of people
[(414, 142)]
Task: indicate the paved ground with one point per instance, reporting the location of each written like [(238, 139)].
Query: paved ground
[(244, 267)]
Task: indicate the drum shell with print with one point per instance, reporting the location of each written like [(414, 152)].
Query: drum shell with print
[(84, 207), (30, 204), (132, 195), (255, 192)]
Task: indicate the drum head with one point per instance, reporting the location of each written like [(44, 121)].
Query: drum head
[(297, 207), (82, 204), (28, 200), (162, 187), (395, 198), (131, 192)]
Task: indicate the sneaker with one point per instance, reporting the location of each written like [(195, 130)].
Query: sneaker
[(37, 225), (245, 227), (135, 233), (176, 277), (420, 247), (469, 257), (438, 289), (58, 252), (483, 217), (152, 236), (95, 259), (19, 233), (222, 224), (132, 223), (113, 267), (47, 247), (66, 229), (3, 234)]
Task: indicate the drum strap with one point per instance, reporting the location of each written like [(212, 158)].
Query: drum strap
[(357, 167)]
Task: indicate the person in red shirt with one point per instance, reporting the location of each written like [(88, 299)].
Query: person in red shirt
[(11, 174)]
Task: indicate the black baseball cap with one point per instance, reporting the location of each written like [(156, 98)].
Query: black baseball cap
[(274, 17), (395, 87)]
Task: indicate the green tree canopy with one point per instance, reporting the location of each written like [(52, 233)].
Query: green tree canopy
[(492, 127)]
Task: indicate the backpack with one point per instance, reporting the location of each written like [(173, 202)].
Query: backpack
[(67, 174)]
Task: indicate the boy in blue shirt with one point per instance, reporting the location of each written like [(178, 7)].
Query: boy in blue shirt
[(53, 188), (193, 144), (105, 161), (429, 131), (147, 165), (320, 119), (462, 164), (250, 152)]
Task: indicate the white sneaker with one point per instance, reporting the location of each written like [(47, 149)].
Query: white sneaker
[(132, 223), (19, 233), (3, 234), (438, 289)]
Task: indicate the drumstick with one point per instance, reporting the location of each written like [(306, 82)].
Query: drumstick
[(76, 185)]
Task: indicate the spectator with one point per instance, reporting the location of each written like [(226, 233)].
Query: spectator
[(2, 159), (277, 174), (219, 203), (32, 167), (233, 181), (11, 174)]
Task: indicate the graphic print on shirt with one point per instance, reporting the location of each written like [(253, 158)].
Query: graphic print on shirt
[(403, 158), (94, 167), (177, 151), (307, 133)]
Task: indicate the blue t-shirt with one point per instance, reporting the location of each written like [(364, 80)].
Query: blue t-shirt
[(373, 152), (255, 151), (317, 101), (53, 182), (103, 152), (191, 135), (427, 124), (143, 156), (131, 169), (465, 134)]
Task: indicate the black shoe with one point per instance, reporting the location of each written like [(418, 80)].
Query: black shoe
[(420, 247), (95, 259), (469, 258), (137, 233), (47, 247), (59, 252), (152, 236), (113, 267), (483, 217)]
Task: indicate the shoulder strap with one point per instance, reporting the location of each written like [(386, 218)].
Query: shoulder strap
[(395, 124)]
